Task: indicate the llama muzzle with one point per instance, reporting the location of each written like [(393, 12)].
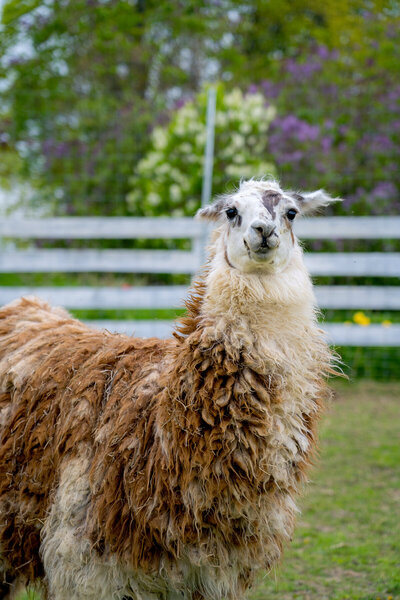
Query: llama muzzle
[(262, 237)]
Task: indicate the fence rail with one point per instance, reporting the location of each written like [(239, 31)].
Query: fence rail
[(156, 297), (358, 264), (95, 261), (337, 333), (104, 228), (178, 261), (186, 227)]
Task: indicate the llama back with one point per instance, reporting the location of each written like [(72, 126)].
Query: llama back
[(56, 376)]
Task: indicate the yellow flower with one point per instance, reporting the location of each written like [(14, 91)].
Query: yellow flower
[(386, 323), (361, 319)]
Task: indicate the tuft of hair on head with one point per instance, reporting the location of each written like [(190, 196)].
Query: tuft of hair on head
[(312, 202)]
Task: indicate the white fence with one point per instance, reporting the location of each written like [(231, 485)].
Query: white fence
[(349, 264)]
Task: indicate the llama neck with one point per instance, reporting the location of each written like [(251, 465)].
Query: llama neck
[(264, 321), (238, 404), (255, 311), (249, 363)]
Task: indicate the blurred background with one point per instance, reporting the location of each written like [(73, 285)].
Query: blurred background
[(103, 114), (95, 95)]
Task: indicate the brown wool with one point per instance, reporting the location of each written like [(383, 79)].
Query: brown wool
[(75, 387), (140, 467)]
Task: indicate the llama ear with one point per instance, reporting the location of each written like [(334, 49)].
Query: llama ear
[(311, 202), (212, 212)]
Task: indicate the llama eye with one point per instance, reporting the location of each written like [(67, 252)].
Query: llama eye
[(231, 213), (291, 213)]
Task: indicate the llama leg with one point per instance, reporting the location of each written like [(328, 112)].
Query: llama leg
[(72, 570)]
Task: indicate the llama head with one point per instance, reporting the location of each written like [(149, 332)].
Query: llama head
[(256, 223)]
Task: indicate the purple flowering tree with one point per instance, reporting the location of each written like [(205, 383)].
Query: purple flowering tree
[(338, 126)]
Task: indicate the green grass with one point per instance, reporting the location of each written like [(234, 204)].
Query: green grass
[(347, 541), (136, 314), (379, 363)]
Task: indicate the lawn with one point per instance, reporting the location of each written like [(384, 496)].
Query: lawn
[(347, 542)]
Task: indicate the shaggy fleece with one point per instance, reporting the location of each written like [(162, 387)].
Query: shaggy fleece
[(159, 469)]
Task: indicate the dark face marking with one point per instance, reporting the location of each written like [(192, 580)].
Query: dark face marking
[(270, 199), (227, 259), (247, 248)]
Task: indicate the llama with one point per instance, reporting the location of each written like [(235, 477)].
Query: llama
[(167, 469)]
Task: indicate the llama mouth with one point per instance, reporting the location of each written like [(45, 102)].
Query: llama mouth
[(261, 251), (259, 254), (263, 255), (267, 246)]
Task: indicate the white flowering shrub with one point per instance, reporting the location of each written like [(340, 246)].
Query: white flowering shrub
[(168, 179)]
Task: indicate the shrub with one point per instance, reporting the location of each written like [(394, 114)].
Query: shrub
[(168, 180)]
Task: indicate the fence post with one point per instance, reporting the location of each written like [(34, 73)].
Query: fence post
[(209, 150), (208, 163)]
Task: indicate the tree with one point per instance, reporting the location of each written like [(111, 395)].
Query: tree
[(85, 81)]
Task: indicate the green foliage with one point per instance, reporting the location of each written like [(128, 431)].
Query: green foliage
[(378, 363), (338, 106), (84, 80), (73, 115), (269, 32), (16, 8), (168, 179), (10, 166)]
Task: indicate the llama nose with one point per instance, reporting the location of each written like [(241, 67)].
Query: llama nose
[(263, 228)]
